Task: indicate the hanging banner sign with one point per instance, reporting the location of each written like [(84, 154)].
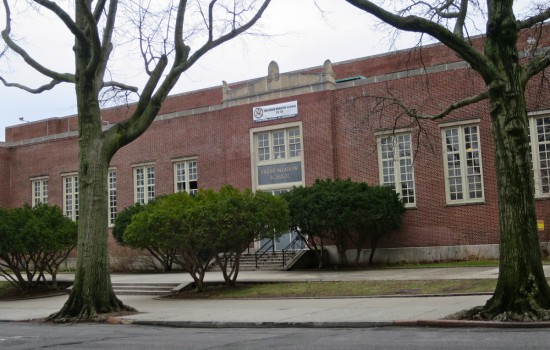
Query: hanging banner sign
[(278, 111)]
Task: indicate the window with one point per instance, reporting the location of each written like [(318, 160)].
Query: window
[(111, 183), (186, 176), (70, 196), (276, 155), (39, 191), (540, 153), (396, 165), (463, 170), (279, 144), (144, 183)]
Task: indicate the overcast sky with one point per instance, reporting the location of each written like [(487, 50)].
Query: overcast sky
[(302, 36)]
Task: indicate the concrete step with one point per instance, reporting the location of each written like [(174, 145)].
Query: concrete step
[(153, 289)]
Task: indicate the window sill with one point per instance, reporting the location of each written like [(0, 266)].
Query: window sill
[(465, 203)]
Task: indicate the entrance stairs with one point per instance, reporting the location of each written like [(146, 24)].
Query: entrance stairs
[(153, 289)]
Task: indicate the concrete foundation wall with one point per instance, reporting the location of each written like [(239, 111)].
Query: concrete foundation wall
[(420, 254)]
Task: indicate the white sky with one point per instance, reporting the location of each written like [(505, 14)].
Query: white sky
[(302, 37)]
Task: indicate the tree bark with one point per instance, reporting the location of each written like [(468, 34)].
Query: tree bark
[(522, 292)]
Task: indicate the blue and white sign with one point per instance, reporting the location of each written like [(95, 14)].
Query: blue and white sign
[(278, 111)]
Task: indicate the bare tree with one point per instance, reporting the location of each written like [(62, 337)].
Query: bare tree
[(166, 54), (522, 292)]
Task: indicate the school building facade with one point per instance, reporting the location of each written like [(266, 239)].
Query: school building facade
[(337, 120)]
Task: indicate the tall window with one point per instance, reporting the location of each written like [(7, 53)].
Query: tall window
[(111, 183), (39, 191), (70, 196), (276, 154), (186, 176), (144, 183), (396, 166), (463, 170), (540, 152)]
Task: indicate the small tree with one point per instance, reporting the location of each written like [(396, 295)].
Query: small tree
[(344, 211), (244, 217), (123, 219), (154, 227), (306, 210), (378, 212), (34, 241)]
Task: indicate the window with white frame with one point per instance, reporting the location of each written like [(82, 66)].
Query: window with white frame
[(539, 130), (279, 144), (276, 154), (111, 185), (462, 159), (186, 176), (70, 196), (395, 161), (39, 191), (144, 183)]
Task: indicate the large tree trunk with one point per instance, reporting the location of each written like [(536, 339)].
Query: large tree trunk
[(92, 294), (522, 292)]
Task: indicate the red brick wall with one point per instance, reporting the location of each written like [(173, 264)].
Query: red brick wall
[(5, 176), (338, 141)]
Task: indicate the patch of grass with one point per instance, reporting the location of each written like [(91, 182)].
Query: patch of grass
[(461, 263), (342, 289), (7, 291)]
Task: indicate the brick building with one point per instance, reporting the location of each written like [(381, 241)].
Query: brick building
[(338, 120)]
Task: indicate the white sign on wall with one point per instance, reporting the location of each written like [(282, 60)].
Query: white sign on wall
[(278, 111)]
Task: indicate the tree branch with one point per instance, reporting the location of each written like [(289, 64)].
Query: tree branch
[(421, 25), (536, 65), (61, 77), (413, 113), (531, 21), (38, 90), (64, 17), (121, 86), (107, 45)]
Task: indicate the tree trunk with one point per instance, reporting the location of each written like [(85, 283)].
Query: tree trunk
[(522, 292), (92, 294)]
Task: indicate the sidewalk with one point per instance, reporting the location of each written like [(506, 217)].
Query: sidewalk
[(285, 312)]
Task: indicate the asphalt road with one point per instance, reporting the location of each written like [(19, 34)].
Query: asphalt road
[(103, 336)]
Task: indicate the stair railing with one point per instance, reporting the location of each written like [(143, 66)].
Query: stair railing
[(290, 250), (266, 247)]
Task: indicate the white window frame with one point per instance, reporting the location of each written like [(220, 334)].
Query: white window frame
[(186, 175), (255, 156), (39, 189), (70, 196), (542, 182), (395, 174), (463, 155), (112, 196), (149, 186)]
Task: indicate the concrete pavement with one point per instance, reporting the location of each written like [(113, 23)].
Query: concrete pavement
[(284, 312)]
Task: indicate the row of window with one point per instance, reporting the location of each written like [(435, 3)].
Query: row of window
[(461, 152), (462, 162), (185, 179)]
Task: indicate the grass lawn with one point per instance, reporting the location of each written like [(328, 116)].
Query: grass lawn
[(7, 291), (339, 289)]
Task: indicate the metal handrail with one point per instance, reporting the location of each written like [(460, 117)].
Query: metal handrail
[(291, 246), (270, 245)]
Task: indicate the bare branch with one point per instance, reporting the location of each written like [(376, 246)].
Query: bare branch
[(536, 65), (151, 100), (61, 77), (120, 86), (38, 90), (540, 17), (64, 17), (107, 45), (384, 102), (421, 25)]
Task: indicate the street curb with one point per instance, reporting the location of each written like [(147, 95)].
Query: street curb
[(207, 324), (371, 324)]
